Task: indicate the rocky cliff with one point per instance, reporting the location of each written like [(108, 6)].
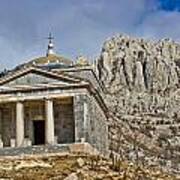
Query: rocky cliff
[(141, 82), (142, 75)]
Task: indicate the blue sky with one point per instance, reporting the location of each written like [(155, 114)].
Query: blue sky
[(170, 5), (79, 26)]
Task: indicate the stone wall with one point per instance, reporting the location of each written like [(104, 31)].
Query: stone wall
[(64, 121), (90, 122), (8, 124), (78, 103), (96, 125)]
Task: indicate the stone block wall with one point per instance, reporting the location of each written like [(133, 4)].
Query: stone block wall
[(64, 122), (78, 103), (8, 124), (90, 122), (96, 125)]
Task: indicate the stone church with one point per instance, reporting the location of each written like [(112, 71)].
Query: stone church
[(52, 100)]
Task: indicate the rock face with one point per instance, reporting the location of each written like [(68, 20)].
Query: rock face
[(141, 79), (143, 76)]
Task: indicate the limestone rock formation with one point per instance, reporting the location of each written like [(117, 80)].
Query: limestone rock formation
[(141, 79), (142, 75)]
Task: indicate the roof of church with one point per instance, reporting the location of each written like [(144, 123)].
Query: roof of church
[(50, 59), (51, 62)]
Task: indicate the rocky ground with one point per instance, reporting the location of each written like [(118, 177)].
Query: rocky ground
[(76, 167)]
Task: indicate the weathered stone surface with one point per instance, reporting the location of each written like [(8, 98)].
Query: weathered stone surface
[(80, 162), (72, 176), (90, 122), (33, 150), (64, 121), (141, 76), (65, 167), (142, 90), (32, 164)]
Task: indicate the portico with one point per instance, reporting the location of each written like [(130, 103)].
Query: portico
[(19, 122)]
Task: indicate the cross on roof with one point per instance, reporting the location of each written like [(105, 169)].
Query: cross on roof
[(50, 37)]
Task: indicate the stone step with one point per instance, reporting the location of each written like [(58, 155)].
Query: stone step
[(34, 150)]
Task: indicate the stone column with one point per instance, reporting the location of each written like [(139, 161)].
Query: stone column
[(49, 125), (19, 124)]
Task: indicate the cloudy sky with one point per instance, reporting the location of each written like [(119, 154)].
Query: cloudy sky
[(79, 26)]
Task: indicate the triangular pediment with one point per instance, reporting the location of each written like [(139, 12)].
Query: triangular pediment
[(34, 76), (33, 79)]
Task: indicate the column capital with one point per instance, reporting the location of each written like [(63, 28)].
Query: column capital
[(20, 101), (48, 98)]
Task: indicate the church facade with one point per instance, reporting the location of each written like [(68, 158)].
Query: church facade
[(51, 100)]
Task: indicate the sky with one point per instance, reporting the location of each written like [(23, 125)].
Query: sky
[(79, 26)]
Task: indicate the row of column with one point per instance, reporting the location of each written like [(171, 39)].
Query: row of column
[(49, 123)]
